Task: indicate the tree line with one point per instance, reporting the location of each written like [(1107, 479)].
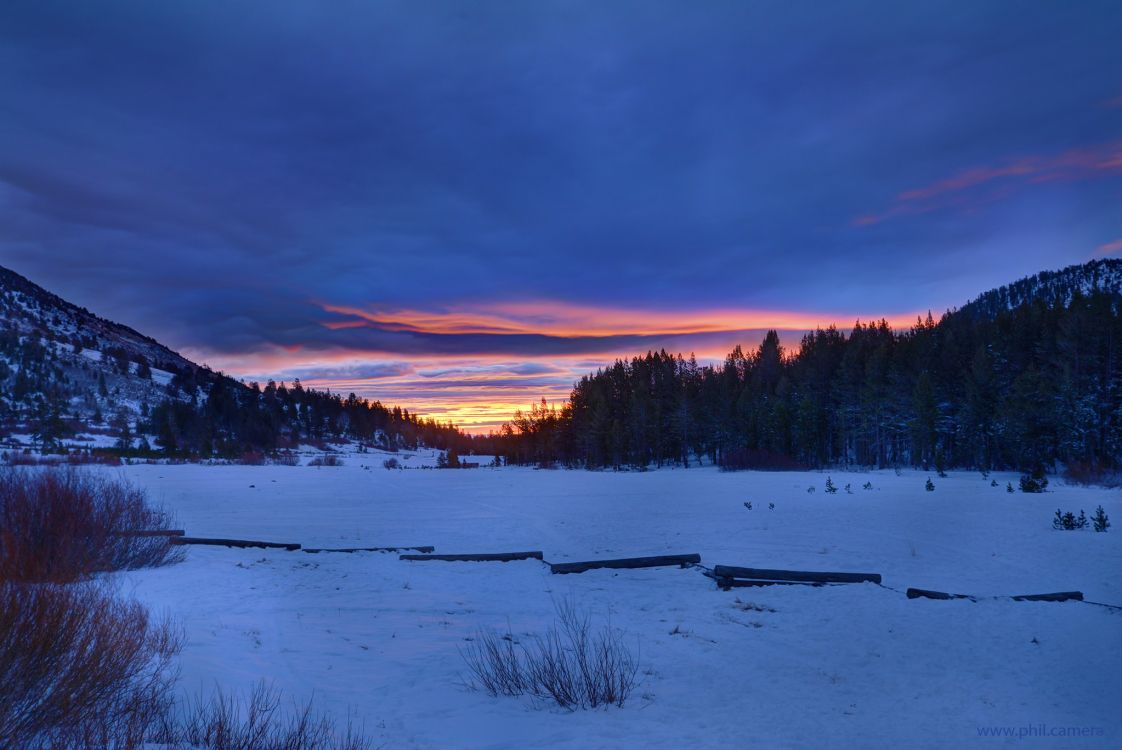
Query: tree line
[(224, 417), (1025, 377)]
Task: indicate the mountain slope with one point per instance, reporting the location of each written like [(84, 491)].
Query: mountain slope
[(64, 369), (67, 374), (1050, 287)]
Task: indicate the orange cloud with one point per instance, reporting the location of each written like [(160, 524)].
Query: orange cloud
[(568, 320), (1068, 166), (478, 392)]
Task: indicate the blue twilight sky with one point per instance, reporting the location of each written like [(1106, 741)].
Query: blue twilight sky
[(461, 206)]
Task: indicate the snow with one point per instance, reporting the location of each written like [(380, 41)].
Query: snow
[(854, 665)]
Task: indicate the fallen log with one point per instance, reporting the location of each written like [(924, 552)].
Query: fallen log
[(367, 549), (799, 576), (233, 543), (1059, 596), (941, 595), (481, 557), (626, 562), (740, 583), (150, 532)]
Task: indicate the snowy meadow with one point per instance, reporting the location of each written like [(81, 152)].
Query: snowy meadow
[(381, 639)]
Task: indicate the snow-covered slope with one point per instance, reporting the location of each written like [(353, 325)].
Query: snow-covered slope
[(1052, 287), (60, 364)]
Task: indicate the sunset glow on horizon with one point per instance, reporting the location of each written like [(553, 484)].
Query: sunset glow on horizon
[(570, 320), (463, 209), (482, 390)]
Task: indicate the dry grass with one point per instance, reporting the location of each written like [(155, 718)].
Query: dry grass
[(572, 665), (223, 722), (62, 525)]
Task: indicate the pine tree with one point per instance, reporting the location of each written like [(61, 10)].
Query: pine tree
[(1100, 520), (930, 486), (830, 486)]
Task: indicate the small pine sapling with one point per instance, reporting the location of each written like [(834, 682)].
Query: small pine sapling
[(1009, 487), (867, 486), (1100, 521), (771, 506), (748, 505), (930, 486), (993, 483), (830, 486), (1069, 521), (848, 490)]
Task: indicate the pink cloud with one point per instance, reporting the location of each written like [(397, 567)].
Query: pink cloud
[(969, 188), (1109, 248)]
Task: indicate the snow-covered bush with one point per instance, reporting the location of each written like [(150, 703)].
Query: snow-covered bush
[(929, 485), (572, 665), (391, 463), (327, 459), (830, 486)]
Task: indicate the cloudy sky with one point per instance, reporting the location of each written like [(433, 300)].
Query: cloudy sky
[(459, 207)]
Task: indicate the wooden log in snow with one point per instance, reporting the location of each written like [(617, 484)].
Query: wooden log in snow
[(481, 557), (740, 583), (369, 549), (234, 543), (799, 576), (941, 595), (151, 532), (1059, 596), (627, 562)]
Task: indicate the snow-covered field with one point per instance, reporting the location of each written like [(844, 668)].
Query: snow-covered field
[(776, 667)]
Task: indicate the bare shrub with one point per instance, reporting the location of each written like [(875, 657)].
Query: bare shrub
[(61, 525), (327, 459), (391, 463), (81, 668), (223, 722), (286, 458), (1092, 474), (573, 664)]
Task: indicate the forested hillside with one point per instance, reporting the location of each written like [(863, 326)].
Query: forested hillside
[(1024, 377), (67, 375)]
